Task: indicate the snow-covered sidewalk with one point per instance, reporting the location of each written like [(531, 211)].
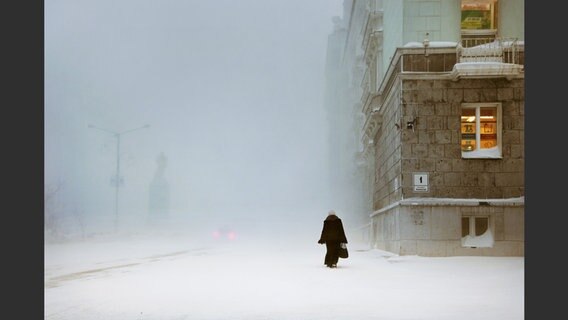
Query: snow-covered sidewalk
[(161, 278)]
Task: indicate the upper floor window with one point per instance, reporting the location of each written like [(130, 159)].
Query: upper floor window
[(478, 22), (481, 130), (478, 14)]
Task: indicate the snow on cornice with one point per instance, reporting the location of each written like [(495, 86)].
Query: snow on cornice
[(483, 69), (419, 201)]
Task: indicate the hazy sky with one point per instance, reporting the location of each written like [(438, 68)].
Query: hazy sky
[(232, 90)]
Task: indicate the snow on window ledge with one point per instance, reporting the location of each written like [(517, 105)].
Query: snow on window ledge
[(431, 44), (504, 44), (483, 241), (491, 153)]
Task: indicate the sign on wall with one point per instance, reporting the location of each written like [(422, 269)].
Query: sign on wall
[(420, 181)]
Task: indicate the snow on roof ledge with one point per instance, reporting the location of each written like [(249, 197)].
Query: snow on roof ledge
[(464, 201), (485, 69), (432, 44), (509, 202)]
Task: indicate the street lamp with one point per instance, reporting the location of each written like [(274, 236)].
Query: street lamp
[(117, 135)]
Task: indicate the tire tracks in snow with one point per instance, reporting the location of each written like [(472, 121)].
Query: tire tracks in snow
[(57, 281)]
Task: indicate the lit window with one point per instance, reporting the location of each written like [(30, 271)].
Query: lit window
[(478, 22), (478, 14), (481, 130), (476, 232)]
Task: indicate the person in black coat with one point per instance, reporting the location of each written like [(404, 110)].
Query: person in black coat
[(332, 235)]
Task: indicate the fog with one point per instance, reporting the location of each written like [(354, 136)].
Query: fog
[(232, 92)]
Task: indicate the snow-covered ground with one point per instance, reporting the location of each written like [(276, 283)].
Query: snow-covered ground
[(181, 277)]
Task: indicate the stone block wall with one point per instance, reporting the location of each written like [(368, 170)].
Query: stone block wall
[(386, 186), (433, 146), (436, 230)]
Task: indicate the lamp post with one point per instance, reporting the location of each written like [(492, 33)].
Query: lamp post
[(117, 136)]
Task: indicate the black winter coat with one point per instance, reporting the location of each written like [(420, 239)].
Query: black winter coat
[(332, 230)]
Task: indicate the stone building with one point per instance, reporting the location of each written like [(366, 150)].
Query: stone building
[(439, 117)]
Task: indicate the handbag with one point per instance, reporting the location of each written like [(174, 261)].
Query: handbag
[(343, 253)]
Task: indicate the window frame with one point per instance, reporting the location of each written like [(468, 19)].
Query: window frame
[(478, 152), (472, 231), (493, 16)]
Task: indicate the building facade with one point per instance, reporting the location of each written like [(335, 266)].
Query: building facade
[(344, 71), (439, 115)]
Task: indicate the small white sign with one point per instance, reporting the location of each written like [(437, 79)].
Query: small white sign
[(420, 188), (421, 179)]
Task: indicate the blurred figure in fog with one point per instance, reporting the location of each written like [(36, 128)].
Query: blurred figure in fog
[(159, 193), (333, 236)]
